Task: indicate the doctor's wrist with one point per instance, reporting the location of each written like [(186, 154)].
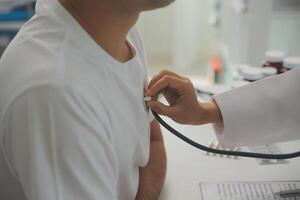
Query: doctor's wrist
[(211, 112)]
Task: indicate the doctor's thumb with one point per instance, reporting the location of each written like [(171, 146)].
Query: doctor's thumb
[(160, 108)]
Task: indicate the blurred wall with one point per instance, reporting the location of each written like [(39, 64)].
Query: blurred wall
[(178, 37)]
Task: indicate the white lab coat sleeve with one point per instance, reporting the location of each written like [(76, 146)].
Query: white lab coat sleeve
[(57, 148), (264, 112)]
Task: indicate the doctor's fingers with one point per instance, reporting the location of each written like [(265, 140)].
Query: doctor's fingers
[(162, 74), (160, 108), (164, 83)]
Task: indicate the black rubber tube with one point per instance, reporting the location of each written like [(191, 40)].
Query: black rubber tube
[(223, 152)]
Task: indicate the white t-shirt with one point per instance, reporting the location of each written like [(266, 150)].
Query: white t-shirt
[(74, 125)]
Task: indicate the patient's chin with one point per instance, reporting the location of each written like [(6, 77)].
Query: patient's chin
[(154, 4)]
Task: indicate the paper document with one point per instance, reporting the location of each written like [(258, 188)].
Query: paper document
[(246, 190)]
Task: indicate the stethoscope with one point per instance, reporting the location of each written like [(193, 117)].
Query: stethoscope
[(223, 152)]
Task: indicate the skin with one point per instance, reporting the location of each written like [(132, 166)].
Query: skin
[(108, 23), (152, 176), (183, 106)]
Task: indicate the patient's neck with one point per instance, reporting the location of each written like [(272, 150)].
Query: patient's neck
[(105, 23)]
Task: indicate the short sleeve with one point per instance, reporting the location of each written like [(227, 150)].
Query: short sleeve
[(57, 148)]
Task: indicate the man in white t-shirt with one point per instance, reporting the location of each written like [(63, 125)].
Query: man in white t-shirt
[(73, 122)]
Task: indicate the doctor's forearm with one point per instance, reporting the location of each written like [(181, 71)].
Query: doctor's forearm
[(152, 176)]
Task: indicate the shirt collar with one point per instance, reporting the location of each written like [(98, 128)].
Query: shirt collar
[(84, 42)]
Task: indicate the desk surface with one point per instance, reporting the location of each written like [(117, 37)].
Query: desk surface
[(188, 166)]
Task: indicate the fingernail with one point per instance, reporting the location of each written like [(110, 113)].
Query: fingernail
[(147, 98)]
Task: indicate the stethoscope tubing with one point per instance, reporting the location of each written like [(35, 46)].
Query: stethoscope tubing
[(224, 152)]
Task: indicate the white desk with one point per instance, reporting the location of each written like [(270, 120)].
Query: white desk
[(188, 166)]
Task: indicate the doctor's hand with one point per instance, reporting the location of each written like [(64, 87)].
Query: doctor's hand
[(184, 107)]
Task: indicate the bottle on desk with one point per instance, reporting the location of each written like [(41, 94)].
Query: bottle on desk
[(274, 59), (291, 63), (251, 74)]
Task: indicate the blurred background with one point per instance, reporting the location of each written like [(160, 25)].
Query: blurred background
[(192, 37), (199, 37)]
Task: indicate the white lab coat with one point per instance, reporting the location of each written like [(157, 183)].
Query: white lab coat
[(263, 112)]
